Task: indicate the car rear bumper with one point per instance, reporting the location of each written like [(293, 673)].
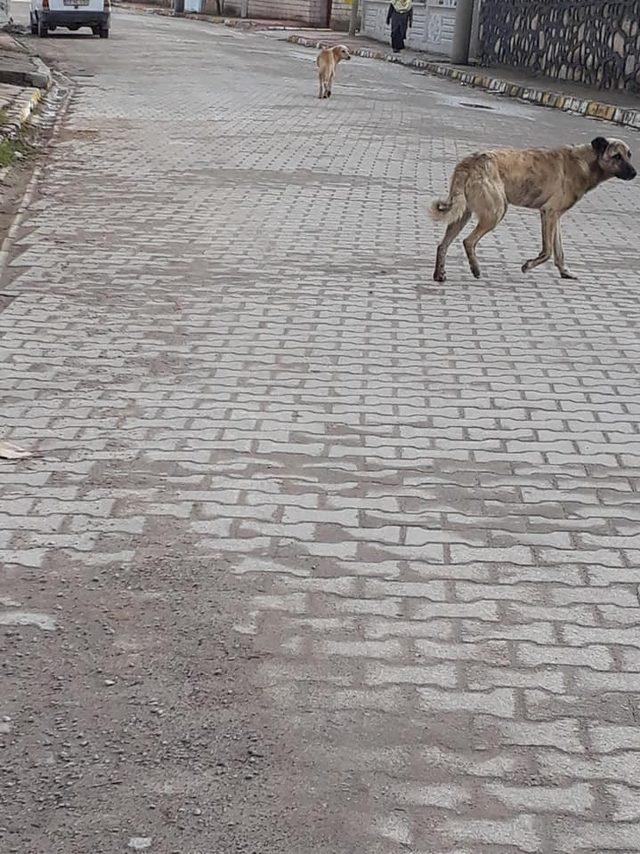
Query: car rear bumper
[(74, 18)]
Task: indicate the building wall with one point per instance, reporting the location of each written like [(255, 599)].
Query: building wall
[(595, 42), (474, 43), (432, 30), (166, 4), (340, 14), (310, 12)]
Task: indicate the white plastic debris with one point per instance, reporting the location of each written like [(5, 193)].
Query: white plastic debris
[(140, 843), (9, 451)]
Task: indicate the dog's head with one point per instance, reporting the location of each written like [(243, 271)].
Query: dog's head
[(341, 52), (614, 157)]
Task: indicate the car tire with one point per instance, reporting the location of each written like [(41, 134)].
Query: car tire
[(104, 32), (33, 24)]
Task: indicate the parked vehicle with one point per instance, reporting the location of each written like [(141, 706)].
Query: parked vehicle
[(47, 15)]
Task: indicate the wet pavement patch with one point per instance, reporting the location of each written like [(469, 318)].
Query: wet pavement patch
[(475, 106)]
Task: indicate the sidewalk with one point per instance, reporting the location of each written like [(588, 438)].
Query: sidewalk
[(619, 107)]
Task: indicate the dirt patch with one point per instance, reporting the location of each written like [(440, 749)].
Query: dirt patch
[(144, 724), (67, 134), (5, 301), (12, 186)]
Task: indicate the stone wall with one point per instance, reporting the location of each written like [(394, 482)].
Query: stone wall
[(590, 41)]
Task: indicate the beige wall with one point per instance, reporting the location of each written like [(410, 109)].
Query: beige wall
[(340, 15), (312, 12)]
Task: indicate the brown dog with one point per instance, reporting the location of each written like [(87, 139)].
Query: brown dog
[(327, 61), (548, 180)]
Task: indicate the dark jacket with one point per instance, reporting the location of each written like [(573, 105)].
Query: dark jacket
[(392, 10)]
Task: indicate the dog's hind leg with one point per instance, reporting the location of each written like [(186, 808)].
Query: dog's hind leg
[(486, 199), (321, 87), (487, 221), (453, 230), (558, 255), (549, 223)]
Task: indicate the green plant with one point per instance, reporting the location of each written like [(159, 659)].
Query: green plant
[(11, 150)]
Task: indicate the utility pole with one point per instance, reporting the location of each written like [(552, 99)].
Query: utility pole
[(353, 20), (462, 32)]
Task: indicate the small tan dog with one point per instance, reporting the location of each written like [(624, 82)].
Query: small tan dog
[(548, 180), (327, 60)]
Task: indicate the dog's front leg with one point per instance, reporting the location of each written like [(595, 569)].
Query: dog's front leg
[(549, 223), (558, 255)]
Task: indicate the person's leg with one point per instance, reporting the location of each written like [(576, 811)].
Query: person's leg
[(395, 32), (403, 30)]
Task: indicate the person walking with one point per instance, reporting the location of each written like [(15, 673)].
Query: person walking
[(400, 16)]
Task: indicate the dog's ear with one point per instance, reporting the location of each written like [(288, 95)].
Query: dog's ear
[(600, 145)]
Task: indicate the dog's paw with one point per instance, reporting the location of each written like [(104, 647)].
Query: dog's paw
[(476, 272), (439, 276), (567, 274), (525, 267)]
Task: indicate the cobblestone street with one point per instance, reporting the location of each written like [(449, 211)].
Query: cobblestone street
[(317, 556)]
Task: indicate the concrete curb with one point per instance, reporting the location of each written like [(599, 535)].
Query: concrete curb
[(19, 111), (42, 77), (542, 97), (28, 69)]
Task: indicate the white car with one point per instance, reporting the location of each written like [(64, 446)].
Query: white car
[(47, 15)]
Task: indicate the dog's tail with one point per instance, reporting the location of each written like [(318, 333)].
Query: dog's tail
[(453, 208)]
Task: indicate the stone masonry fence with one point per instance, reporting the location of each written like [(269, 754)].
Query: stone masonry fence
[(593, 42)]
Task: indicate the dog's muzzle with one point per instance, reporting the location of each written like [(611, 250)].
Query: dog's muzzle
[(628, 173)]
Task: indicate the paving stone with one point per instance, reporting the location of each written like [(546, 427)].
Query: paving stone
[(576, 799), (422, 499)]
